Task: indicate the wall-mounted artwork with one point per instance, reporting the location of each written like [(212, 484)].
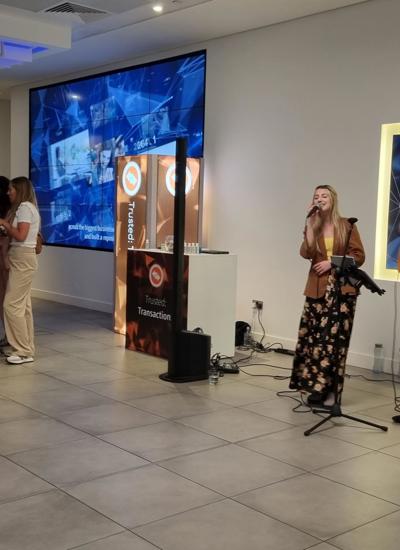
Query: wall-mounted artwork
[(387, 243)]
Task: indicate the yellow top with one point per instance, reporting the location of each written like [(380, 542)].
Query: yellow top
[(329, 246)]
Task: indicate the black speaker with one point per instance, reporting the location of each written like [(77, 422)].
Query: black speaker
[(192, 359), (240, 330)]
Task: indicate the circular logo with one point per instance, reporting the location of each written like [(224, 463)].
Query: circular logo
[(131, 178), (156, 275), (170, 180)]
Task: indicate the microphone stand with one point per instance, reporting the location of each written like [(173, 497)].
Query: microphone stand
[(357, 278)]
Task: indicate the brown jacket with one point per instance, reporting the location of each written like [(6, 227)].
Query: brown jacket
[(316, 284)]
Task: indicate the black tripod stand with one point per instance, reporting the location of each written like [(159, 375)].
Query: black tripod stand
[(346, 271)]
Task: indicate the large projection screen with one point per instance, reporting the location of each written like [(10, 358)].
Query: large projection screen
[(79, 128)]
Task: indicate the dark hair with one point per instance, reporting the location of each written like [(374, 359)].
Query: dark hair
[(4, 198)]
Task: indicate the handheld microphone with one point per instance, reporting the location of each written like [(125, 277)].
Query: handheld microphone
[(312, 211)]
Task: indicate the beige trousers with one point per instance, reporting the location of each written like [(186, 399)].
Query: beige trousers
[(4, 242), (18, 319)]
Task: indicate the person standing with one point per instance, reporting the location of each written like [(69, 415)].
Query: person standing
[(320, 352), (4, 242), (22, 226)]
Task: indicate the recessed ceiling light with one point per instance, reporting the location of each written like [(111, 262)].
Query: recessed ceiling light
[(158, 8)]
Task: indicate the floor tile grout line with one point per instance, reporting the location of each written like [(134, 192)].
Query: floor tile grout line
[(97, 436), (308, 471), (335, 437), (136, 526), (231, 497), (14, 400), (88, 435), (70, 485), (162, 419), (76, 386), (100, 438), (328, 541), (355, 488), (370, 451), (325, 540), (351, 458), (70, 411), (179, 421), (80, 546), (23, 497), (85, 435), (150, 462), (63, 490)]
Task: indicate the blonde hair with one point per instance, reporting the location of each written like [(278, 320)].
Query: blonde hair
[(339, 224), (24, 193)]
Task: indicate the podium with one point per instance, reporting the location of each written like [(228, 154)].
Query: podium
[(209, 300)]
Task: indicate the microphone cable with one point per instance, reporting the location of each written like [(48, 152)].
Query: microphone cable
[(302, 406), (263, 329)]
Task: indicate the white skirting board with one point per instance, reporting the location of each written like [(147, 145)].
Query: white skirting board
[(354, 358), (72, 300)]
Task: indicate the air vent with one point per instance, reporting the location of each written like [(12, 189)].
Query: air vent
[(68, 7)]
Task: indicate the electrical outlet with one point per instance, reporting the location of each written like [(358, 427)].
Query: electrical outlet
[(258, 304)]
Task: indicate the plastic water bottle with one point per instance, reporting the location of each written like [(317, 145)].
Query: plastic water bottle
[(247, 337), (147, 244), (378, 359), (213, 375)]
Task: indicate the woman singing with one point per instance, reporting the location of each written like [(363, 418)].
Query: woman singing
[(321, 349)]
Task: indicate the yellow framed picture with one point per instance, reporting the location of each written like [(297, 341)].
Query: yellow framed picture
[(387, 238)]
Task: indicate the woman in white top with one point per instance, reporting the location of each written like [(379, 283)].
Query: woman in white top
[(22, 228)]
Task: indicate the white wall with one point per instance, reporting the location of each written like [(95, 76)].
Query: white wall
[(5, 129), (288, 107)]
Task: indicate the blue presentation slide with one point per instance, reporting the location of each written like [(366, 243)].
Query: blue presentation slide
[(78, 128), (393, 238)]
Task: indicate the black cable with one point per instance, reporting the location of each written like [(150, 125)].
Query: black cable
[(268, 348), (266, 365), (258, 346), (372, 379), (294, 395), (262, 326), (274, 376), (301, 402), (246, 357)]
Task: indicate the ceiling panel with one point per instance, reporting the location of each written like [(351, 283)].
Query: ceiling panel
[(115, 6), (126, 35)]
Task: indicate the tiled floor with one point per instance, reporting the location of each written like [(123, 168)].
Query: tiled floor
[(97, 453)]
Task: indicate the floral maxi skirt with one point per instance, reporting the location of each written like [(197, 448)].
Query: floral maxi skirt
[(323, 342)]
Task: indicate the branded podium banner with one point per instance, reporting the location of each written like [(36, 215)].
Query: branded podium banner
[(166, 194), (144, 212), (149, 301), (130, 224)]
